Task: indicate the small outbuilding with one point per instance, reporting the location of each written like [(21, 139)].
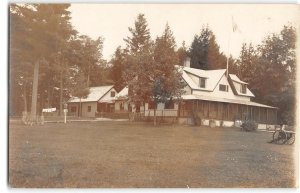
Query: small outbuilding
[(99, 100)]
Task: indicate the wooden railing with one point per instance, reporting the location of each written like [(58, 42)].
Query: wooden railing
[(162, 113), (113, 115)]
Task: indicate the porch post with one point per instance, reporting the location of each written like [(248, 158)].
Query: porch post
[(267, 116), (193, 108), (247, 110), (259, 119), (208, 109)]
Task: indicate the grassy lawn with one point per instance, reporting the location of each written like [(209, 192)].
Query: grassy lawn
[(125, 154)]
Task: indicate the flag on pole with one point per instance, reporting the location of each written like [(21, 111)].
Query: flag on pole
[(235, 27)]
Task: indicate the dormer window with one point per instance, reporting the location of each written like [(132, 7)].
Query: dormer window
[(223, 87), (202, 82), (112, 94), (243, 88)]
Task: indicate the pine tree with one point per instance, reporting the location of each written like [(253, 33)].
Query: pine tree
[(20, 60), (182, 54), (90, 59), (167, 80), (118, 67), (45, 29), (139, 62), (205, 53), (247, 63)]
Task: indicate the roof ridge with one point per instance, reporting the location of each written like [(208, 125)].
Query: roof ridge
[(100, 86)]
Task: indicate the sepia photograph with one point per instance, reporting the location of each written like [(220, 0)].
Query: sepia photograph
[(152, 95)]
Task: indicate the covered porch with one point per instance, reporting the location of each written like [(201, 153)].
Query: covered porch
[(227, 111)]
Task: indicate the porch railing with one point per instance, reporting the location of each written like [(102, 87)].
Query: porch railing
[(161, 113)]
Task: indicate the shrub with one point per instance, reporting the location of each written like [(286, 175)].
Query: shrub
[(249, 125), (212, 123)]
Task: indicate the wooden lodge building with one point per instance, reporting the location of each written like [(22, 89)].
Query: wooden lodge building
[(210, 95)]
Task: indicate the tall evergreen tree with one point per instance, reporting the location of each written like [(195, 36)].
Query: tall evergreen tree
[(45, 52), (167, 80), (90, 59), (139, 62), (182, 53), (45, 27), (233, 67), (205, 53), (20, 60), (247, 63), (118, 67)]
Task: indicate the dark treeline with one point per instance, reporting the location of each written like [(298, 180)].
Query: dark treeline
[(42, 40), (269, 68)]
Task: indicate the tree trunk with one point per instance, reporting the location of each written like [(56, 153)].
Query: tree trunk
[(61, 94), (80, 112), (41, 102), (35, 90), (155, 116), (49, 95), (88, 77), (25, 97)]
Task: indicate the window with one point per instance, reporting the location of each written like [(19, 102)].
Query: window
[(121, 107), (73, 109), (112, 94), (202, 82), (223, 87), (243, 88), (89, 109)]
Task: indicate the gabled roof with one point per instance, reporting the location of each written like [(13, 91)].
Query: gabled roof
[(96, 93), (197, 72), (236, 79), (122, 94), (212, 76), (188, 80), (248, 93)]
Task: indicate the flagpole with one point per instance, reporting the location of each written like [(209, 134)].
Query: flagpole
[(228, 51), (234, 28)]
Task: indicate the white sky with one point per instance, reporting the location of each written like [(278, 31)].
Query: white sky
[(111, 21)]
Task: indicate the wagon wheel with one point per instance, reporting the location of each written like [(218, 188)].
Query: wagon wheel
[(279, 137), (291, 139)]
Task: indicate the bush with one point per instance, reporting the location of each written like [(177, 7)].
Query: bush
[(212, 123), (249, 125)]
